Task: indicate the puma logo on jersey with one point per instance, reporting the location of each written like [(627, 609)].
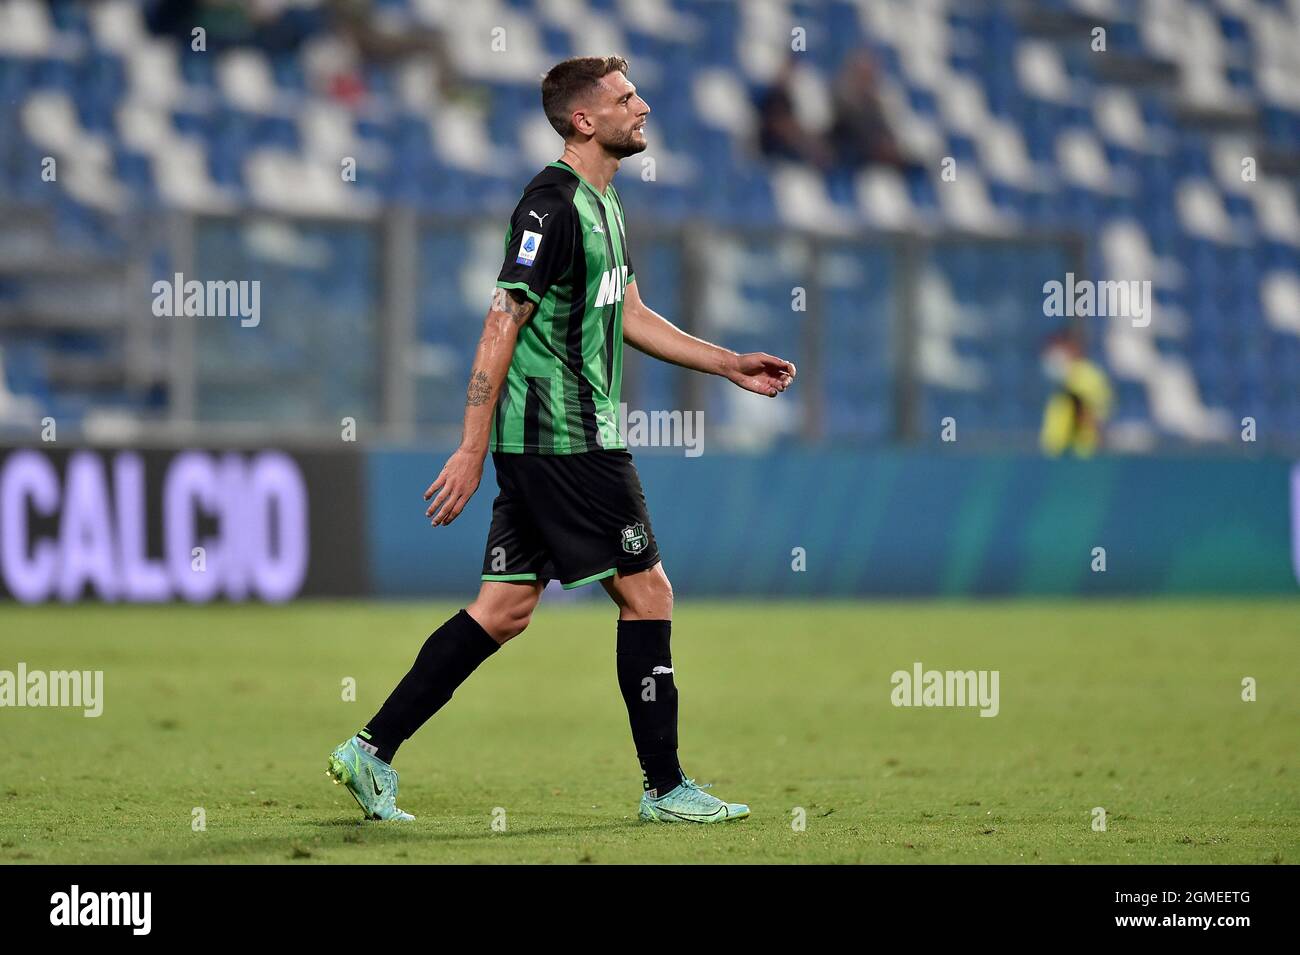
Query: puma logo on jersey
[(658, 670), (611, 286), (541, 220), (597, 229)]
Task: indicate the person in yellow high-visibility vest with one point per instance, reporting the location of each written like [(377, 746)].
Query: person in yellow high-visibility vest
[(1080, 401)]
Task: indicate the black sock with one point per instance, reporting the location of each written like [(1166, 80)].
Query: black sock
[(448, 657), (645, 675)]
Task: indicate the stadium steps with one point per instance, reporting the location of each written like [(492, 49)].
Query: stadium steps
[(65, 313)]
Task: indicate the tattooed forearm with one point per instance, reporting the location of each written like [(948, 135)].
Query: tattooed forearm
[(480, 389), (503, 301)]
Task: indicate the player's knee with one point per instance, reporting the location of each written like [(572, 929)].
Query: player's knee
[(515, 620), (664, 594), (653, 598), (503, 621), (505, 624)]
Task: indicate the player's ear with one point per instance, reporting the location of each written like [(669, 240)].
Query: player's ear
[(582, 122)]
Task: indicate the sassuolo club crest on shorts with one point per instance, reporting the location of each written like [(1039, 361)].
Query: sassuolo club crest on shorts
[(635, 538)]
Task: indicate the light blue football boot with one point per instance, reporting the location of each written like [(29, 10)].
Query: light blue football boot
[(370, 780), (689, 802)]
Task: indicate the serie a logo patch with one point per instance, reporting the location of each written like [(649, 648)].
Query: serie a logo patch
[(532, 241)]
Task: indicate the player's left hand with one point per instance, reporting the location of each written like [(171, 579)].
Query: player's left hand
[(761, 373)]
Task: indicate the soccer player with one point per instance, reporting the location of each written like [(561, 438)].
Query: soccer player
[(1080, 401), (543, 397)]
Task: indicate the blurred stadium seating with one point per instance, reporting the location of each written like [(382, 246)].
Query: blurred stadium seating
[(925, 296)]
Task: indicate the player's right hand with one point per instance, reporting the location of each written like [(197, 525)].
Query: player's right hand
[(761, 373), (454, 486)]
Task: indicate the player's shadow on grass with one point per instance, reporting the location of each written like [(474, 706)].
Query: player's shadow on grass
[(370, 835), (406, 832)]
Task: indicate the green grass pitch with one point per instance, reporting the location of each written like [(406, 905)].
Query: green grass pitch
[(1135, 707)]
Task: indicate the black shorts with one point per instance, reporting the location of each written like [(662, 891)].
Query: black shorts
[(576, 517)]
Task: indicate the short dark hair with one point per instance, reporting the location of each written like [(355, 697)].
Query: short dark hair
[(570, 78)]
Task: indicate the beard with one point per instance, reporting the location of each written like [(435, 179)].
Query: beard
[(624, 143)]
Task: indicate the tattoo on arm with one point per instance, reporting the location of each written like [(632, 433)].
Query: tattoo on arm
[(519, 309), (480, 389)]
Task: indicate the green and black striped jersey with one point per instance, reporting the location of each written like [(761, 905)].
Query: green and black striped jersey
[(566, 249)]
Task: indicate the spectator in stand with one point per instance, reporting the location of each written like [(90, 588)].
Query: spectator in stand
[(781, 134), (271, 25), (284, 26), (860, 131)]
